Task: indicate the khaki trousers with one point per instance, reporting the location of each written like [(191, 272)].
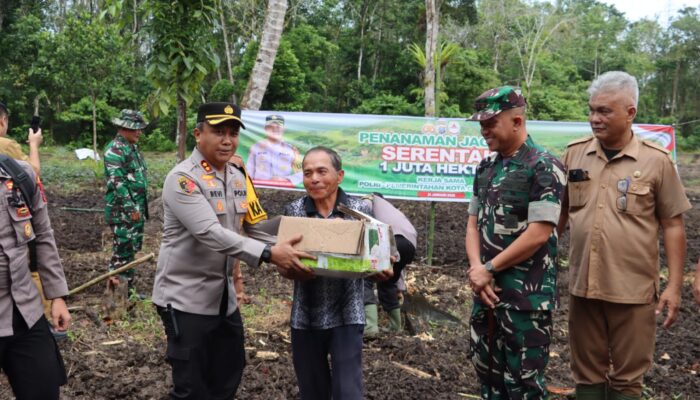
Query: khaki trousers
[(611, 342)]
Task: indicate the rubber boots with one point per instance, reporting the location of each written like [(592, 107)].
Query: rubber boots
[(395, 320), (591, 392), (371, 327)]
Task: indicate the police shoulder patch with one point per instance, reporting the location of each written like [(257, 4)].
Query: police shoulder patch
[(186, 184), (581, 140)]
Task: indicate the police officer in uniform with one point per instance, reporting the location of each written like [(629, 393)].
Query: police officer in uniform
[(28, 352), (621, 191), (273, 159), (205, 204), (511, 247), (126, 197), (406, 237)]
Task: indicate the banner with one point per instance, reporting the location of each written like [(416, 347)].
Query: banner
[(411, 158)]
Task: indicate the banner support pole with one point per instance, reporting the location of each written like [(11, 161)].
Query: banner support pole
[(431, 232)]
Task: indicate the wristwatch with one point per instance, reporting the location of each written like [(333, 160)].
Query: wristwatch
[(489, 266), (266, 254)]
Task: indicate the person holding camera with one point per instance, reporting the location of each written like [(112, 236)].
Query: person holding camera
[(12, 149)]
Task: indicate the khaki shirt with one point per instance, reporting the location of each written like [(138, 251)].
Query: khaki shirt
[(203, 218), (17, 227), (614, 253), (12, 149)]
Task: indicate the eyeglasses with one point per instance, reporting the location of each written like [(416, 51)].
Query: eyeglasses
[(623, 186)]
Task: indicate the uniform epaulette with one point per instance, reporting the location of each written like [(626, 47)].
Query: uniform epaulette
[(579, 141), (655, 145)]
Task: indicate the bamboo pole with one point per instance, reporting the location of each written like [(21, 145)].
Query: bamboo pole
[(111, 273)]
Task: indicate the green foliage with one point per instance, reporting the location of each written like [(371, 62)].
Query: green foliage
[(156, 141), (223, 90), (386, 104)]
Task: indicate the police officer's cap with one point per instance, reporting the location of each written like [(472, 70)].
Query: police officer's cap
[(217, 113), (493, 101), (274, 119)]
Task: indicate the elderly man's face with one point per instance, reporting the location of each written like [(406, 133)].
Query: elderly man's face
[(321, 180), (611, 115)]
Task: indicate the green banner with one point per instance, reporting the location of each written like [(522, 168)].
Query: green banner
[(412, 158)]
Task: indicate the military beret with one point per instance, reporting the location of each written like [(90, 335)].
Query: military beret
[(130, 119), (495, 100), (216, 113), (274, 119)]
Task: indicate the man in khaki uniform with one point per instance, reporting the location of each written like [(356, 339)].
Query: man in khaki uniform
[(12, 149), (28, 353), (205, 203), (621, 191)]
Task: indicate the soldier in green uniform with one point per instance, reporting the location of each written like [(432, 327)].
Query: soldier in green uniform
[(126, 204), (511, 247)]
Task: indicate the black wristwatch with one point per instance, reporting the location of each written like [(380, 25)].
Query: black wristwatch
[(266, 254)]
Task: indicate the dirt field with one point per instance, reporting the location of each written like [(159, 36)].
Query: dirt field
[(125, 360)]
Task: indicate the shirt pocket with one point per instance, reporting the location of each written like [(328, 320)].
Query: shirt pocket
[(640, 199), (22, 225), (579, 193)]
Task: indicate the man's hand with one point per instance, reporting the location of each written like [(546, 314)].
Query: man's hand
[(479, 277), (287, 260), (382, 276), (671, 299), (35, 138), (60, 317), (488, 295), (135, 216)]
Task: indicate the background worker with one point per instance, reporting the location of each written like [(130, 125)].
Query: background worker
[(126, 196), (512, 249), (406, 237), (621, 191)]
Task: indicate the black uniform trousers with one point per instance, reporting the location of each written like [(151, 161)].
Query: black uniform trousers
[(31, 360), (342, 379), (206, 353), (388, 290)]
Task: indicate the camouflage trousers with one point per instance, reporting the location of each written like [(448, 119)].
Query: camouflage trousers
[(519, 353), (127, 240)]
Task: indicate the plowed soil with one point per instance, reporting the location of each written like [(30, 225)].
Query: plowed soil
[(125, 359)]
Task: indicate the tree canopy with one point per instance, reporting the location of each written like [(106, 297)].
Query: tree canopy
[(72, 57)]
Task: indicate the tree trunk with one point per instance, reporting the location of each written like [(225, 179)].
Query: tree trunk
[(181, 128), (227, 48), (431, 37), (674, 93), (93, 97), (265, 60)]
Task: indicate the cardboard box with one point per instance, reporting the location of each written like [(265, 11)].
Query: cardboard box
[(345, 248)]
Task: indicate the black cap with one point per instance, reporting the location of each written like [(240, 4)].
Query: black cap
[(274, 119), (216, 113)]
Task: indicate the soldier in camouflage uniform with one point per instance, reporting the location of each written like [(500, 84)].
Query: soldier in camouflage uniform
[(512, 247), (126, 198)]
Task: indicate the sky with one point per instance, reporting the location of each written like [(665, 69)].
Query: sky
[(663, 9)]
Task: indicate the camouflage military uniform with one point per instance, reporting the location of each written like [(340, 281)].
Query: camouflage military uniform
[(509, 194), (125, 172)]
